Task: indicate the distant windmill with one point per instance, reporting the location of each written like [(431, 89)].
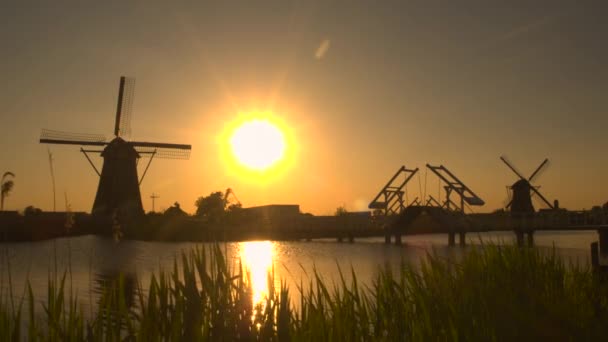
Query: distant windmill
[(523, 190), (118, 189)]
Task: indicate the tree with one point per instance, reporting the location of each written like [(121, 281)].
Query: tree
[(5, 187), (217, 207), (30, 210), (341, 211), (211, 207), (175, 211)]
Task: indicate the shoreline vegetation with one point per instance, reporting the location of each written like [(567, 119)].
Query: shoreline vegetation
[(176, 225), (492, 293)]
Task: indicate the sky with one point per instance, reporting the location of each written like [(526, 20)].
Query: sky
[(363, 87)]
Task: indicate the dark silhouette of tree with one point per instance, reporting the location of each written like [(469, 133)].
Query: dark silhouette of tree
[(217, 207), (6, 187), (211, 207), (30, 210), (341, 211), (175, 211)]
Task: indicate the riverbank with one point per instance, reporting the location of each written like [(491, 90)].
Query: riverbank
[(501, 293), (15, 227)]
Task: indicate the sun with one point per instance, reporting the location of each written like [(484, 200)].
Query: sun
[(258, 144)]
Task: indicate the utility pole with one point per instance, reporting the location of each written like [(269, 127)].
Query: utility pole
[(154, 197), (52, 178)]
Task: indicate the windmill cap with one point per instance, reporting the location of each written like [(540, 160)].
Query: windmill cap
[(119, 149)]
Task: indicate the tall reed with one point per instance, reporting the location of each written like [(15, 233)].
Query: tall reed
[(492, 293)]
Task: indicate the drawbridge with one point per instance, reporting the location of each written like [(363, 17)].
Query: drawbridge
[(452, 213), (448, 213)]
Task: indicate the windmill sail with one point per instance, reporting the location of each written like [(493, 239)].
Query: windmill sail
[(162, 150), (538, 169), (512, 167), (542, 197), (48, 136), (124, 108)]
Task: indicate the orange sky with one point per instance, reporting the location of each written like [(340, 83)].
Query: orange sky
[(363, 88)]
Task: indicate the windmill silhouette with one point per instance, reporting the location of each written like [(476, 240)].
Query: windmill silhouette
[(523, 190), (118, 190)]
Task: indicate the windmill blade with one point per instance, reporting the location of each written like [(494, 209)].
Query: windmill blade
[(162, 150), (508, 201), (48, 136), (163, 153), (538, 169), (542, 197), (126, 93), (511, 167), (161, 145)]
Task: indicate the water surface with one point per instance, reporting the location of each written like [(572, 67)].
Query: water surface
[(93, 261)]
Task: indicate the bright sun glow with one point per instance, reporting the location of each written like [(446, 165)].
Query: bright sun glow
[(257, 144), (257, 259)]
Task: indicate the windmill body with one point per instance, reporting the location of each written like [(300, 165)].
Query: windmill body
[(522, 198), (118, 192), (118, 188)]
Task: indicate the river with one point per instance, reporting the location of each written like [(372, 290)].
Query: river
[(93, 260)]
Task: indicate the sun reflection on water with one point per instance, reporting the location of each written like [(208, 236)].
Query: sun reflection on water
[(256, 257)]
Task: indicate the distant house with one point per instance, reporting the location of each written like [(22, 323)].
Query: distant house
[(360, 214), (273, 212)]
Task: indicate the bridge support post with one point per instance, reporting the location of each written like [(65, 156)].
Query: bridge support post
[(351, 239), (339, 239), (451, 239), (595, 257), (597, 266), (462, 239), (531, 238), (387, 239), (519, 237), (397, 239), (603, 248)]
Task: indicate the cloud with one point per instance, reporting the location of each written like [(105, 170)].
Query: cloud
[(531, 26), (322, 49)]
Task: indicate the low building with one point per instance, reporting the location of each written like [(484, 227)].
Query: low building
[(273, 212)]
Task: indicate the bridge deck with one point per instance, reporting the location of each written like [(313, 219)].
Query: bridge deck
[(442, 221)]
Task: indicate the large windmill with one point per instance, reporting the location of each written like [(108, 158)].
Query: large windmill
[(523, 190), (118, 190)]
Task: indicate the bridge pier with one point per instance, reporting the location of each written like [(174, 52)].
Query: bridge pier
[(351, 239), (387, 239), (397, 239), (462, 239), (451, 239), (531, 238), (339, 239), (603, 243), (519, 237), (599, 253)]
